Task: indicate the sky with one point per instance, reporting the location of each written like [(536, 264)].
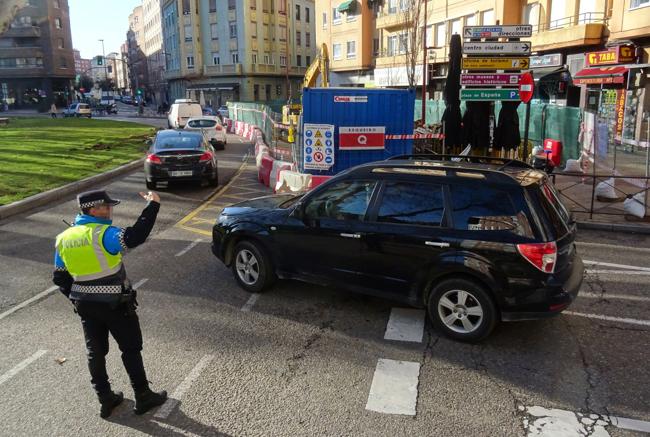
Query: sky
[(92, 20)]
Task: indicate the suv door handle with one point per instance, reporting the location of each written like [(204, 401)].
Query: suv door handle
[(436, 244), (344, 235)]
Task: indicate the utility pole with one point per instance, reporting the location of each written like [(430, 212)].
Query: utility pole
[(287, 57), (424, 64), (104, 61)]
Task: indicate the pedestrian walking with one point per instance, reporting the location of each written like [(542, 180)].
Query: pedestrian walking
[(89, 271), (53, 110)]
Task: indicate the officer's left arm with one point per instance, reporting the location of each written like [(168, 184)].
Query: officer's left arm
[(61, 276)]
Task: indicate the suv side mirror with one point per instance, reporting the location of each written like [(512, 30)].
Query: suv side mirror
[(298, 211)]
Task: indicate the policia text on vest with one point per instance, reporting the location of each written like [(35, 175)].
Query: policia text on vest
[(89, 271)]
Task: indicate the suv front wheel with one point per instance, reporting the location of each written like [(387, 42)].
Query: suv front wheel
[(462, 310)]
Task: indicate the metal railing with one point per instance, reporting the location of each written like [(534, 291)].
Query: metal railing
[(573, 20)]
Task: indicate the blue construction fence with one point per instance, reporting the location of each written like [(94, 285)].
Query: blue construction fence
[(546, 121)]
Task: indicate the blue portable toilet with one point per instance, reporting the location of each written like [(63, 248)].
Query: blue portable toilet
[(345, 127)]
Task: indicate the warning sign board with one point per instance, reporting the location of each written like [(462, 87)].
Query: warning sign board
[(318, 146), (362, 138)]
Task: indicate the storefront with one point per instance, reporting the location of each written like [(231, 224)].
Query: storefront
[(553, 81)]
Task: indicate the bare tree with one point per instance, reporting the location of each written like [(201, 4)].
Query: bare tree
[(410, 40), (8, 10)]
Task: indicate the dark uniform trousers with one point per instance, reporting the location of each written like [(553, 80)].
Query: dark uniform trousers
[(97, 320)]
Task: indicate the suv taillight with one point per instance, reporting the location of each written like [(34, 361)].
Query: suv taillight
[(541, 255), (207, 156), (154, 159), (218, 126)]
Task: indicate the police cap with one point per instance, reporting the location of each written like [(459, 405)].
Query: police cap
[(94, 198)]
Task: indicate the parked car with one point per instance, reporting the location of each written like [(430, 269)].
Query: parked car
[(208, 111), (178, 155), (127, 100), (78, 110), (211, 127), (475, 242), (223, 112), (181, 111)]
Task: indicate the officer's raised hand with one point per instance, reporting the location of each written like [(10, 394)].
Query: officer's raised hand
[(150, 196)]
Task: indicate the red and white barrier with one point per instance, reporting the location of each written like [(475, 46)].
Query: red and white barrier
[(261, 152), (278, 166), (292, 182), (264, 171)]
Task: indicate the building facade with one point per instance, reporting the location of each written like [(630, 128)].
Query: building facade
[(37, 65), (248, 50), (153, 51), (136, 58), (81, 65)]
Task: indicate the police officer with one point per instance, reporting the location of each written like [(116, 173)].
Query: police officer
[(89, 271)]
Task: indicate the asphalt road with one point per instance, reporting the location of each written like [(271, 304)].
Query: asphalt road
[(308, 360)]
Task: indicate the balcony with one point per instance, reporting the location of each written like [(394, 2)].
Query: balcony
[(222, 70), (578, 30), (393, 21), (262, 68), (173, 74), (23, 32)]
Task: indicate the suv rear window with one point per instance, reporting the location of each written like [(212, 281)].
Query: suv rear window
[(557, 214), (483, 208), (201, 123), (414, 204)]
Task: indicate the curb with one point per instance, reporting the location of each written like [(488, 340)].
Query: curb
[(66, 190), (614, 227)]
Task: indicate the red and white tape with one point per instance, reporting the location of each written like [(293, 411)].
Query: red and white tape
[(414, 136)]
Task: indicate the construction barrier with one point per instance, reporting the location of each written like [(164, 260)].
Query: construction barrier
[(261, 152), (292, 182), (264, 171), (277, 167)]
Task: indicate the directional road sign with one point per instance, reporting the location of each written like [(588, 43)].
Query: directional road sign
[(489, 79), (489, 94), (495, 63), (497, 48), (516, 31)]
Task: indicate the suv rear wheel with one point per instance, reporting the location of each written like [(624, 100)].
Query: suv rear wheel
[(462, 310), (251, 267)]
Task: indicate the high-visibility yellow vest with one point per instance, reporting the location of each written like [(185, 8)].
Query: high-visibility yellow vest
[(81, 249)]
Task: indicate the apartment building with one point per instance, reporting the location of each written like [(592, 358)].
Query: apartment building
[(37, 63), (136, 58), (249, 50), (153, 51), (81, 65)]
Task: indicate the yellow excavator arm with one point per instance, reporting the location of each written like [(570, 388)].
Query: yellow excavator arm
[(320, 65)]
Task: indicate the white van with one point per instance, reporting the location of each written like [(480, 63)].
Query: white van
[(181, 111)]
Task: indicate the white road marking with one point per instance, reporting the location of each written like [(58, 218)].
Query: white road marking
[(175, 397), (140, 283), (618, 272), (175, 430), (189, 247), (612, 246), (614, 296), (609, 318), (20, 366), (39, 296), (394, 388), (405, 324), (620, 266), (631, 424), (251, 301)]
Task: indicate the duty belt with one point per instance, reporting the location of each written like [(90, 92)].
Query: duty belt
[(95, 289)]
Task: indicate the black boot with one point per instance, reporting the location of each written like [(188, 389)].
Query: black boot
[(146, 399), (108, 402)]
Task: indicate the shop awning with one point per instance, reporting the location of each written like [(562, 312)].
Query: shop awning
[(539, 73), (347, 6), (600, 76)]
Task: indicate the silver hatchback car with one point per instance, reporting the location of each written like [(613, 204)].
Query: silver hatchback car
[(211, 127)]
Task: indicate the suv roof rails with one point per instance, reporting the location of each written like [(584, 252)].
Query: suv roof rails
[(468, 158)]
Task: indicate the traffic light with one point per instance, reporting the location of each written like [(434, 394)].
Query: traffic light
[(100, 60), (139, 91)]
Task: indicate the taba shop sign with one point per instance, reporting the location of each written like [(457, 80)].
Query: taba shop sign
[(613, 55)]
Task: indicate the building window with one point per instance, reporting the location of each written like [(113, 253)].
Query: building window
[(254, 58), (307, 14), (470, 20), (63, 62), (214, 31), (256, 92), (531, 14), (56, 4), (233, 30), (190, 61), (235, 57), (57, 23), (441, 35), (639, 3), (283, 61), (336, 51), (352, 49), (267, 59), (267, 90), (60, 43), (307, 39), (456, 27), (298, 38), (336, 16), (297, 12), (215, 58), (558, 15), (188, 33), (487, 17), (299, 60), (254, 31), (253, 4), (375, 46), (324, 19), (212, 5), (232, 4), (308, 61)]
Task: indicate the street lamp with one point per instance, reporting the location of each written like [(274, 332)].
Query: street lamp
[(104, 60)]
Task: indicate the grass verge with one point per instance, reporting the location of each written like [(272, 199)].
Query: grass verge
[(38, 154)]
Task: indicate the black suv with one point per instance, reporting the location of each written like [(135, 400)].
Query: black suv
[(474, 240)]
